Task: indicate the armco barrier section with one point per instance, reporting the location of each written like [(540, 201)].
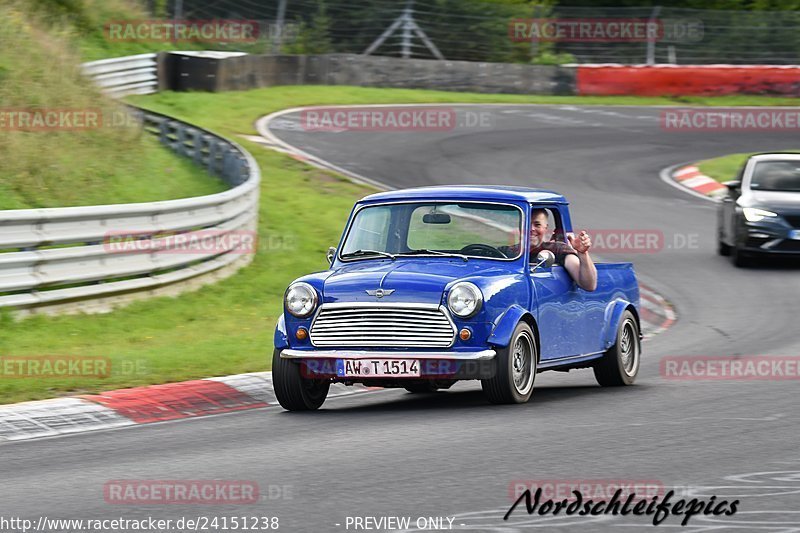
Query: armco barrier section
[(705, 80), (61, 259), (121, 76)]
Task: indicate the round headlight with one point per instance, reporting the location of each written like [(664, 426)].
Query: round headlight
[(465, 299), (301, 299)]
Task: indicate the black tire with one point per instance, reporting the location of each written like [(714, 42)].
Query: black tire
[(620, 364), (722, 248), (519, 359), (741, 259), (293, 391)]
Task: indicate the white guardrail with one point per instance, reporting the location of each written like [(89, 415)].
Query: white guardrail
[(121, 76), (57, 259)]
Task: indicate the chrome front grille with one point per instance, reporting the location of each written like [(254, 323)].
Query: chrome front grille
[(381, 325)]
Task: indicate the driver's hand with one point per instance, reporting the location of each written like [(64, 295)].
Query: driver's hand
[(581, 243)]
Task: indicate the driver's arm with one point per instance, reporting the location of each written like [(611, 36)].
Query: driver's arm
[(580, 265)]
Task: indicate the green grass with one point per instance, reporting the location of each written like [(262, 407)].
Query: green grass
[(110, 163), (224, 328), (726, 168), (144, 171)]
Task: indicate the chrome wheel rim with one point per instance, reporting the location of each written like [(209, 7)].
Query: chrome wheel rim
[(522, 363), (629, 348)]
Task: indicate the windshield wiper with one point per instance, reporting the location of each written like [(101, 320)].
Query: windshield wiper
[(425, 251), (369, 252)]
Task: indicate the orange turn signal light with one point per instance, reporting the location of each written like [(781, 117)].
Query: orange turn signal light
[(465, 334), (301, 334)]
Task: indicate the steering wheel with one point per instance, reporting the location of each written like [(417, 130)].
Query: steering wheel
[(479, 247)]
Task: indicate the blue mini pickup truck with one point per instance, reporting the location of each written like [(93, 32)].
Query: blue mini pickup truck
[(434, 285)]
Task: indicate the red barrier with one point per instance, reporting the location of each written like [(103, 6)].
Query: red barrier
[(666, 80)]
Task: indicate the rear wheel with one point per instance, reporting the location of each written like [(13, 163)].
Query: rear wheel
[(620, 364), (516, 369), (293, 391)]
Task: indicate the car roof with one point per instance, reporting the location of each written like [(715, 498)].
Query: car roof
[(776, 156), (495, 193)]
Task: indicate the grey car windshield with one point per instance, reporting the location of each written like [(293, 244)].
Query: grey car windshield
[(432, 228), (776, 176)]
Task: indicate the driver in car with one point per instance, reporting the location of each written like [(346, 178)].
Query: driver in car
[(573, 256)]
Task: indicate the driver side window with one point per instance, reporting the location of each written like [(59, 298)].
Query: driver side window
[(547, 233)]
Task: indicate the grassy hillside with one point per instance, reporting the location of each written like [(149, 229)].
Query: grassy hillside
[(39, 71), (725, 168)]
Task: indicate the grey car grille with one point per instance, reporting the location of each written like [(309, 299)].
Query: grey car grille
[(380, 325)]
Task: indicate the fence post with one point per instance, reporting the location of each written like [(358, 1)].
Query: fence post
[(651, 41)]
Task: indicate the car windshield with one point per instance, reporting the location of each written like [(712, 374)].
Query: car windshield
[(776, 176), (462, 229)]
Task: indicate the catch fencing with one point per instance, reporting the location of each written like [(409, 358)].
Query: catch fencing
[(475, 30)]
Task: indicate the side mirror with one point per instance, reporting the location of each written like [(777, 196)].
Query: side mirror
[(546, 258), (331, 254), (734, 185)]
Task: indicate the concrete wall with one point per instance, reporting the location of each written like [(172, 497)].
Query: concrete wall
[(247, 72)]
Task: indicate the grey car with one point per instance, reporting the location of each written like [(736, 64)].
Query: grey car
[(760, 215)]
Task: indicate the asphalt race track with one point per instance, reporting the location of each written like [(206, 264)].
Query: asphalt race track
[(450, 454)]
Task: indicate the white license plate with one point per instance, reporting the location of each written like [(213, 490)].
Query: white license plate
[(377, 368), (795, 234)]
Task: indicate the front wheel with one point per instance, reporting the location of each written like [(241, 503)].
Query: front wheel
[(620, 364), (293, 391), (722, 248), (516, 369), (741, 259)]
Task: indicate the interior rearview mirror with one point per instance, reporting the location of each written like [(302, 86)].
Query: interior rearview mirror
[(436, 218)]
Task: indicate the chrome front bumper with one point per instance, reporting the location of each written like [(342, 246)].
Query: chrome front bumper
[(483, 355)]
